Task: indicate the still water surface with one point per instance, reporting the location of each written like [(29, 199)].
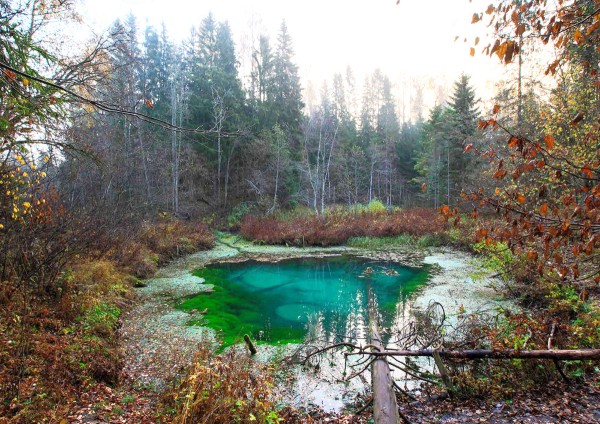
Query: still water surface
[(292, 300)]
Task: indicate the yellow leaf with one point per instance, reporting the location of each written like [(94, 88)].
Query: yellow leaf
[(472, 52), (25, 82), (497, 191)]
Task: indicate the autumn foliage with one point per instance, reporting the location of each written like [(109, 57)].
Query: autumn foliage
[(339, 226), (546, 176)]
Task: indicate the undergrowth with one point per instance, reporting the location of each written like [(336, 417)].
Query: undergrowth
[(58, 336), (226, 388), (550, 313), (339, 225)]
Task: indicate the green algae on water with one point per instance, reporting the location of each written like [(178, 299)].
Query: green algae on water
[(283, 302)]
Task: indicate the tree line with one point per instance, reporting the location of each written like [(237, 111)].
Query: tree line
[(256, 145)]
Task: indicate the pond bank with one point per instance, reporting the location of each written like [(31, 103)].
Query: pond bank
[(159, 345)]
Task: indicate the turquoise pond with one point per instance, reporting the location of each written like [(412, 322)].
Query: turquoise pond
[(292, 300)]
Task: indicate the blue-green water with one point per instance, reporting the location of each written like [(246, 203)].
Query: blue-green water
[(291, 300)]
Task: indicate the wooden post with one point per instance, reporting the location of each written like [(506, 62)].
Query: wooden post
[(446, 379), (250, 344)]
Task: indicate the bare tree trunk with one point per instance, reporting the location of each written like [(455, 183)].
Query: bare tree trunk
[(326, 168), (145, 164), (174, 150), (227, 173), (448, 171), (371, 181), (219, 114), (276, 184)]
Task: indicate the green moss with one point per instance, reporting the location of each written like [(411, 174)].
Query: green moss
[(374, 243), (100, 319)]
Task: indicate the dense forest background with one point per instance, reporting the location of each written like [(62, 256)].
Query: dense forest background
[(254, 145)]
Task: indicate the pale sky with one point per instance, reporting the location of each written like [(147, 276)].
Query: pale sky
[(415, 39)]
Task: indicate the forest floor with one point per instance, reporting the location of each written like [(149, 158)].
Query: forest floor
[(562, 403), (157, 346)]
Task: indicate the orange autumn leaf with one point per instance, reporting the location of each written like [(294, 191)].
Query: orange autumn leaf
[(496, 109), (544, 209), (549, 141), (532, 255), (521, 198), (587, 171), (500, 174)]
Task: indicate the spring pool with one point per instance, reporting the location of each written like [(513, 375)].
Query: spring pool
[(295, 299)]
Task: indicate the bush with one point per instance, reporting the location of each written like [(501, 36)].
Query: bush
[(159, 242), (234, 219), (228, 388), (375, 207), (101, 319)]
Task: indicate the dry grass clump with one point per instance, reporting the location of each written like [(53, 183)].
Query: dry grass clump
[(226, 388), (159, 242)]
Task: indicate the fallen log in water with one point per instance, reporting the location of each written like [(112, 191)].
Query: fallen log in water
[(560, 355), (385, 408)]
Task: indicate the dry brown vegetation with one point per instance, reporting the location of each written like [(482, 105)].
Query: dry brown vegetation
[(58, 336), (339, 226)]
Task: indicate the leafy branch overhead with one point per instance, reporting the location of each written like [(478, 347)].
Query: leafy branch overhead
[(570, 23), (546, 175)]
